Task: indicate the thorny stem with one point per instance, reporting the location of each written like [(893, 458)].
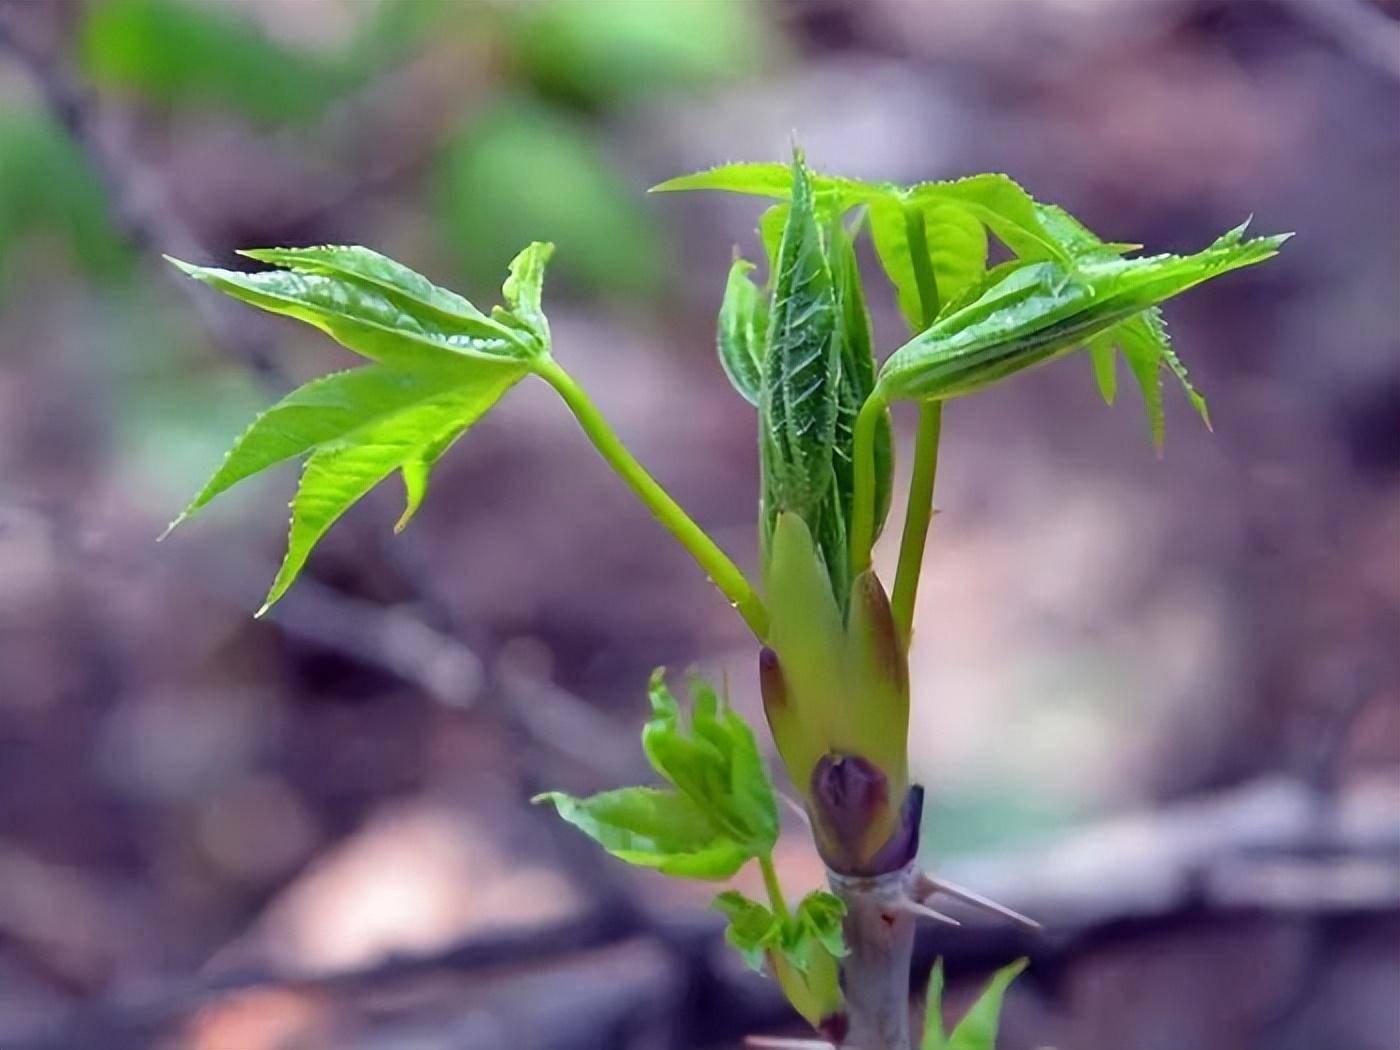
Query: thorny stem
[(917, 517), (722, 571), (879, 937)]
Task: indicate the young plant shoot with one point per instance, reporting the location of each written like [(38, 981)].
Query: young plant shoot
[(832, 640)]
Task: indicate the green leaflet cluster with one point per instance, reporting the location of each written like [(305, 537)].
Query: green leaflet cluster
[(931, 240), (438, 364), (717, 814), (833, 667)]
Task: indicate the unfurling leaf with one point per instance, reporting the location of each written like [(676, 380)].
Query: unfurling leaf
[(716, 765), (752, 930), (801, 948), (524, 287), (439, 364), (742, 331), (978, 1028), (721, 813)]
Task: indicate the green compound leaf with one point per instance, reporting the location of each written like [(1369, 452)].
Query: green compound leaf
[(653, 828), (742, 330), (717, 765), (801, 369), (978, 1028), (1038, 311), (439, 365)]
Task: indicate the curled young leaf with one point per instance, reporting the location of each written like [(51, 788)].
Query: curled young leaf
[(742, 331), (1038, 311), (716, 765), (801, 948)]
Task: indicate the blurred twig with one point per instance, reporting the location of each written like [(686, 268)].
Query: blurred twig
[(1243, 853), (1359, 27), (139, 203)]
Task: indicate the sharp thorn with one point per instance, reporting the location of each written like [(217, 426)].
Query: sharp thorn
[(797, 808), (773, 1042), (928, 886), (925, 912)]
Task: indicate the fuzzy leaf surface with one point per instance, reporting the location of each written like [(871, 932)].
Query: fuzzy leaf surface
[(801, 368)]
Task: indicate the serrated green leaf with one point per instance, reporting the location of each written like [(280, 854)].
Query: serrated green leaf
[(1002, 205), (365, 318), (653, 828), (340, 407), (525, 286), (1040, 311), (341, 471), (1101, 355), (741, 331), (717, 765), (801, 369)]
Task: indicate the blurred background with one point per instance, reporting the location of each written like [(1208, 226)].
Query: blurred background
[(1157, 698)]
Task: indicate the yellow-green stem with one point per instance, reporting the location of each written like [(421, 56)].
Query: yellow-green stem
[(916, 517), (722, 571), (770, 882)]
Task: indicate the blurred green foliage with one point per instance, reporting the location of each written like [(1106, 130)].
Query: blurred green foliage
[(522, 171), (180, 54), (50, 198), (598, 54)]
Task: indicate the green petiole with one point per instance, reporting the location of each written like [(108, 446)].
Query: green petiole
[(722, 571), (917, 517), (771, 884)]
